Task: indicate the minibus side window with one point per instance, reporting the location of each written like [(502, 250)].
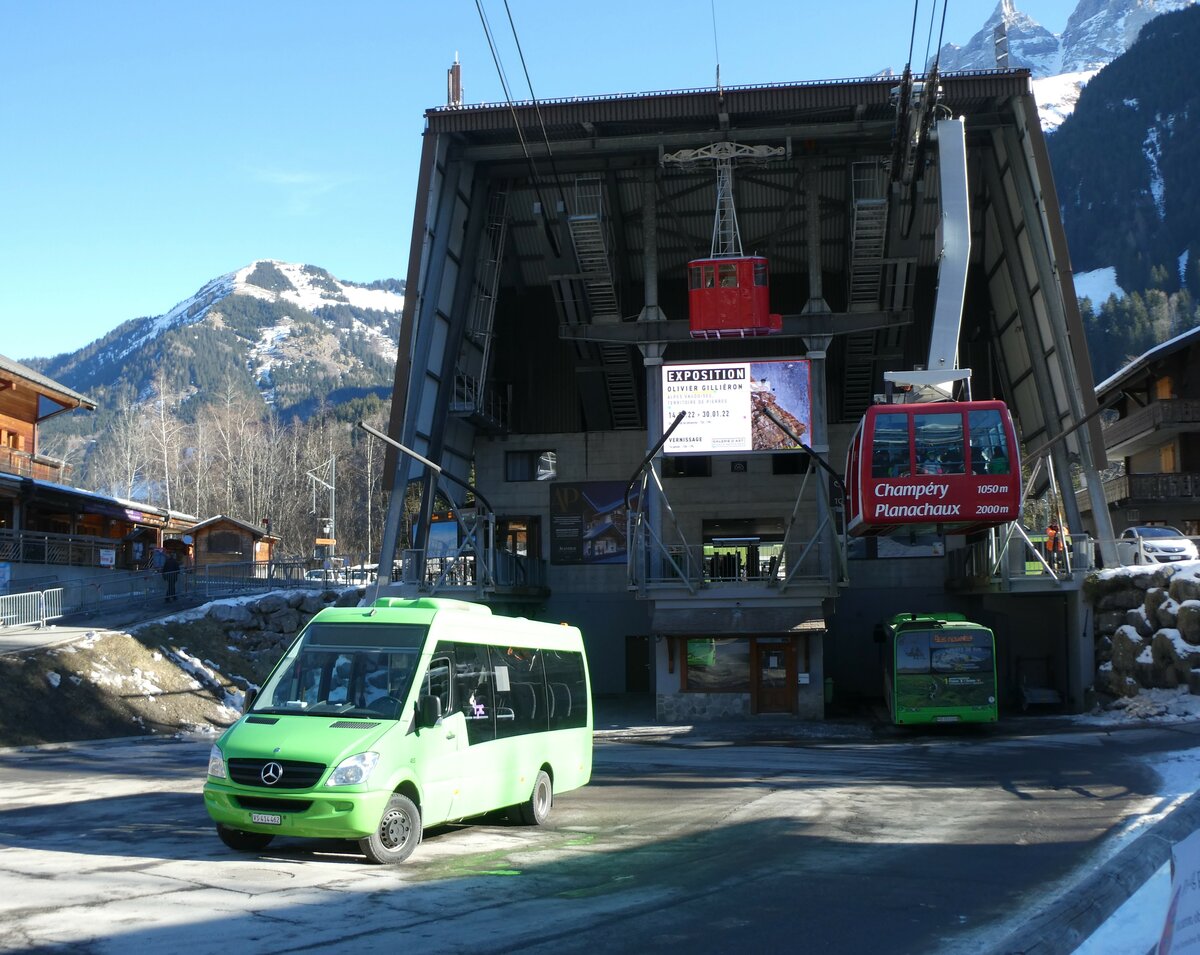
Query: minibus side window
[(566, 689), (520, 691), (473, 691)]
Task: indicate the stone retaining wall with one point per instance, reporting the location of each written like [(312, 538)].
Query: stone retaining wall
[(1147, 626), (269, 623), (691, 707)]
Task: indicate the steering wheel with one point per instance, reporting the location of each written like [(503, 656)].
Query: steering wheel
[(387, 706)]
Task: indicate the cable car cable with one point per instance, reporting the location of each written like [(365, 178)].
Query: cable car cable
[(537, 108), (533, 173), (712, 5)]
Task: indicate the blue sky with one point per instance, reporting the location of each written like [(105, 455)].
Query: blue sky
[(150, 147)]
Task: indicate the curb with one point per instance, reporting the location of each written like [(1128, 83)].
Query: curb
[(1067, 922)]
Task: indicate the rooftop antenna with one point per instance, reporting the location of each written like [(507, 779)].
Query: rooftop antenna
[(717, 55), (454, 91)]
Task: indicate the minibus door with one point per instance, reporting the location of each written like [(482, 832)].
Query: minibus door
[(437, 756)]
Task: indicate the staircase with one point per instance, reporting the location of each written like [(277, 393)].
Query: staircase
[(589, 235), (866, 254), (471, 397), (858, 375)]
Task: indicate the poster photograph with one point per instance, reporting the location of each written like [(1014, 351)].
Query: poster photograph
[(727, 406), (587, 522)]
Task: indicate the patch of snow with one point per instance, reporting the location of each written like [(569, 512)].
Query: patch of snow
[(1056, 96), (308, 293), (1152, 150), (1097, 285), (53, 679)]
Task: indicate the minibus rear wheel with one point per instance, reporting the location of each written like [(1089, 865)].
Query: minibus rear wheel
[(397, 835), (244, 841), (535, 810)]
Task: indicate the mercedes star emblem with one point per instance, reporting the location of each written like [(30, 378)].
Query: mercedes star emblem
[(271, 773)]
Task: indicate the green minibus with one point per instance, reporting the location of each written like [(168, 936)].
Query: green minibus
[(938, 668), (381, 721)]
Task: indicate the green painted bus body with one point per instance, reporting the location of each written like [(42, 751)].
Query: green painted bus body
[(939, 668), (481, 755)]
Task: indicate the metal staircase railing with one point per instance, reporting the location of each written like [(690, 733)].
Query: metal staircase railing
[(858, 374), (471, 396), (867, 238), (589, 235)]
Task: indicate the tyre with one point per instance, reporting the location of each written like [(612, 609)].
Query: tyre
[(244, 841), (536, 809), (396, 836)]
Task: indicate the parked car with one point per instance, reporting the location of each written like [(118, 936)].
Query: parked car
[(325, 576), (1158, 544)]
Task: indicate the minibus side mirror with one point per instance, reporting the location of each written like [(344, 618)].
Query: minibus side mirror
[(250, 696), (429, 711)]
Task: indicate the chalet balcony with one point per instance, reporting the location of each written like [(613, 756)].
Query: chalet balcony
[(1141, 489), (24, 464), (1152, 425)]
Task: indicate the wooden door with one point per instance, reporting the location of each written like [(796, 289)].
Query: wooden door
[(775, 677)]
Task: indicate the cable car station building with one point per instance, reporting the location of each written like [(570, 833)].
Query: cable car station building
[(735, 270)]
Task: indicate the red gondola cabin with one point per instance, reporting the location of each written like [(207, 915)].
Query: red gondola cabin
[(948, 464), (730, 298)]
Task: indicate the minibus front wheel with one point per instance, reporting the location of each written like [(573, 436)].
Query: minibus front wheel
[(397, 835)]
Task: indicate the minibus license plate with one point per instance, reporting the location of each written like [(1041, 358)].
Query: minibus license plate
[(266, 818), (945, 719)]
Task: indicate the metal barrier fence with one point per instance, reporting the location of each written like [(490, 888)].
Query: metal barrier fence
[(126, 590)]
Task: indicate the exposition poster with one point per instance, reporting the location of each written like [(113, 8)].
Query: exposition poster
[(727, 405)]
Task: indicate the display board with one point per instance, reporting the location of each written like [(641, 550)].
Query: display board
[(727, 403)]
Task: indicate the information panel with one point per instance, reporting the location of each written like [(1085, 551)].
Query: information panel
[(727, 404)]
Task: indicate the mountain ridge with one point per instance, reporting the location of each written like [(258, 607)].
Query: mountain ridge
[(289, 333)]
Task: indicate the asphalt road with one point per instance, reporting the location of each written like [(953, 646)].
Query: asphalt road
[(923, 844)]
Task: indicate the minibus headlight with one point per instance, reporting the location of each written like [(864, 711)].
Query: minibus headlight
[(353, 770), (216, 762)]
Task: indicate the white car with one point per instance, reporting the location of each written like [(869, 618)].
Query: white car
[(325, 576), (1159, 544)]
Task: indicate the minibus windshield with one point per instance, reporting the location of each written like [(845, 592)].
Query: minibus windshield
[(345, 670)]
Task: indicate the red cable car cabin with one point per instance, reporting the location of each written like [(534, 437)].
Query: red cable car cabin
[(952, 464), (730, 298)]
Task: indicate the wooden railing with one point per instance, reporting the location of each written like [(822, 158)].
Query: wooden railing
[(36, 547), (1156, 416), (1171, 486), (24, 464)]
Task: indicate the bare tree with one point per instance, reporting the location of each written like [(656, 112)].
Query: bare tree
[(164, 430), (119, 462)]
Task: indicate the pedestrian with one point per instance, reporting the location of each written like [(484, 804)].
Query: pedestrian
[(1054, 545), (170, 573)]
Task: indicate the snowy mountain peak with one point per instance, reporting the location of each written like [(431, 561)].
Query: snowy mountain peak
[(1097, 32), (1030, 45)]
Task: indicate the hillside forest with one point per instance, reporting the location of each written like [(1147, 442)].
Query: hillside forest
[(229, 457)]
